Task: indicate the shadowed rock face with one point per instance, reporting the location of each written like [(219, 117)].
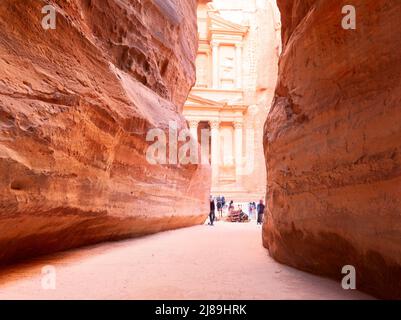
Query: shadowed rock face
[(333, 144), (75, 106)]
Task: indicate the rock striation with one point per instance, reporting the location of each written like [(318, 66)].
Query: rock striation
[(333, 144), (76, 104)]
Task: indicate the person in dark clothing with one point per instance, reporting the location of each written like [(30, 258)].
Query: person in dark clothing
[(261, 210), (212, 215), (219, 205)]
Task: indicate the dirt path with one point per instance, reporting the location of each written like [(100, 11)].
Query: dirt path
[(222, 262)]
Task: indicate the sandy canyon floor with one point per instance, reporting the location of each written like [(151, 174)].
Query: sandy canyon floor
[(226, 261)]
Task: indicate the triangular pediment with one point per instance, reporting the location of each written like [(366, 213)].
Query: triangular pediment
[(221, 24), (196, 101)]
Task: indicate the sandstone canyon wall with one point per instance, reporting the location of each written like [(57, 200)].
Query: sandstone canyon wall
[(75, 106), (333, 143)]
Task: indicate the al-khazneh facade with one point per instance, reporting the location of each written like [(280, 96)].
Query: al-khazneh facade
[(239, 44)]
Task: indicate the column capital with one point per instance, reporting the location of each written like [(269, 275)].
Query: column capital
[(214, 124), (214, 43), (251, 125), (238, 125), (193, 124)]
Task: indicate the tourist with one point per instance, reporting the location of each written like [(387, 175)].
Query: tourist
[(230, 207), (219, 206), (261, 210), (250, 210), (212, 209), (223, 204)]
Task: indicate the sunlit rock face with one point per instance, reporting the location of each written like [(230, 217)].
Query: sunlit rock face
[(333, 142), (76, 104)]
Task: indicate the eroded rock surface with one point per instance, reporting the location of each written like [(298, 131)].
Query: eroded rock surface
[(75, 106), (333, 144)]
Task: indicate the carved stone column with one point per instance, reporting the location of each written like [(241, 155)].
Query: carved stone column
[(215, 150), (216, 64), (193, 128), (238, 150)]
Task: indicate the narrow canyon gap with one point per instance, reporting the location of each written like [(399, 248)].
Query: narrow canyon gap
[(75, 106), (333, 143)]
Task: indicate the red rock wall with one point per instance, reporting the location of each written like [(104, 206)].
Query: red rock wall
[(75, 106), (333, 144)]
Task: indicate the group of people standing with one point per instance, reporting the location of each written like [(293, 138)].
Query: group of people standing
[(220, 202), (259, 209)]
